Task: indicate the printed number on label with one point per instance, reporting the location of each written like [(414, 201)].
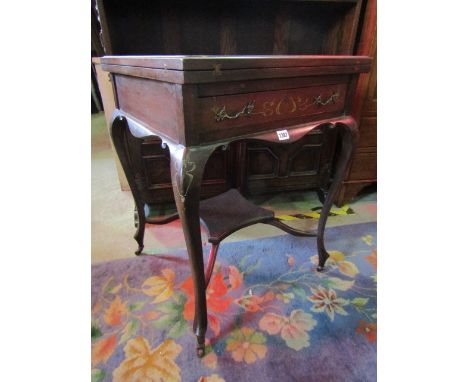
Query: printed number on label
[(282, 135)]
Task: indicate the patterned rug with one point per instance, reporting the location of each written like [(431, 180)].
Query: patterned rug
[(272, 317)]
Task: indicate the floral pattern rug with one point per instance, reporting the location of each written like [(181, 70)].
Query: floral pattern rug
[(272, 316)]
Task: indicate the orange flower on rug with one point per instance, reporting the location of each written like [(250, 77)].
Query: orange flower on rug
[(217, 300), (246, 345), (142, 363)]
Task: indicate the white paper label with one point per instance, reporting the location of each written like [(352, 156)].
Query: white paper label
[(282, 135)]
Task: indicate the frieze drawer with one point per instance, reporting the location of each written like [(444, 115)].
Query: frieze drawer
[(224, 112)]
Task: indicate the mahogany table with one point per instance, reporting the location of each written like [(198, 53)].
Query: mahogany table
[(196, 104)]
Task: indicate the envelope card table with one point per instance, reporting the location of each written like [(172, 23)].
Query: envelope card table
[(196, 104)]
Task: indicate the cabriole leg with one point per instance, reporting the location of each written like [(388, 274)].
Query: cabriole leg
[(187, 165), (349, 135), (119, 129)]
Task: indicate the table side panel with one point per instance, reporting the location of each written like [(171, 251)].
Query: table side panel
[(157, 104)]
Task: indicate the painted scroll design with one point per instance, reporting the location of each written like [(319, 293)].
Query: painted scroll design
[(188, 168), (332, 99), (185, 171), (221, 114), (282, 106)]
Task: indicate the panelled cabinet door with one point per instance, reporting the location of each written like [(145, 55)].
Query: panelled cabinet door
[(302, 165)]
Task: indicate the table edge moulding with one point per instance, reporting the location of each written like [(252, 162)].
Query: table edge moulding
[(196, 104)]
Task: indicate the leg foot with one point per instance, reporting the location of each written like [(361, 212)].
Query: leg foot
[(140, 226), (200, 347), (139, 235), (139, 250), (323, 256)]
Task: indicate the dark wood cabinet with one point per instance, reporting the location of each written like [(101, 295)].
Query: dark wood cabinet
[(362, 171), (229, 26), (241, 27)]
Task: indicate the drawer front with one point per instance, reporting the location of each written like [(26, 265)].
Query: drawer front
[(227, 112)]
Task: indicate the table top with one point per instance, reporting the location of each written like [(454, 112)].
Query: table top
[(198, 62), (203, 69)]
